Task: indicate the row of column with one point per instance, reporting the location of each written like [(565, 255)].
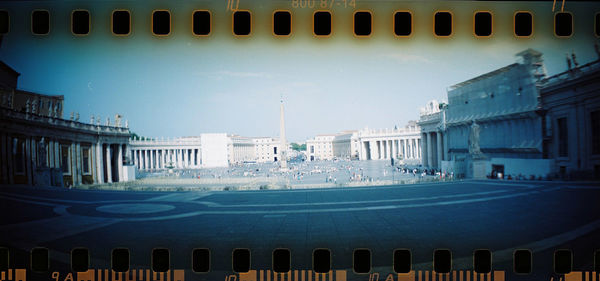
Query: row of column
[(395, 148), (153, 159), (433, 146), (22, 158)]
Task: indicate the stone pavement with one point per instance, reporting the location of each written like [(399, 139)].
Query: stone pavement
[(460, 216)]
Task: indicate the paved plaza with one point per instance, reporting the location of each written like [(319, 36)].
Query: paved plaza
[(299, 175), (460, 216)]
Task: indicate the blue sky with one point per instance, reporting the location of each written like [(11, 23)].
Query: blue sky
[(183, 86)]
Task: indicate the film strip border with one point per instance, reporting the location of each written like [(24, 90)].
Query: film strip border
[(202, 23), (321, 262)]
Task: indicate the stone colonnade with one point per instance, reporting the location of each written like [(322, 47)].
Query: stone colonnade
[(382, 148), (434, 147), (41, 150), (155, 158)]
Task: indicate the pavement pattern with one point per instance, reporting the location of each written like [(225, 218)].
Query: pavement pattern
[(461, 216)]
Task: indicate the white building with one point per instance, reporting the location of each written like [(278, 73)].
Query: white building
[(214, 150), (241, 149), (266, 149), (320, 147), (204, 151), (346, 145)]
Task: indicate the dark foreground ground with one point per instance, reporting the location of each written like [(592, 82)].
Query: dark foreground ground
[(460, 216)]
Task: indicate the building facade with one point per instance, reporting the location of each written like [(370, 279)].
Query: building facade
[(204, 151), (266, 149), (434, 140), (495, 119), (241, 149), (38, 147), (345, 145), (369, 144), (571, 103), (155, 154), (320, 147)]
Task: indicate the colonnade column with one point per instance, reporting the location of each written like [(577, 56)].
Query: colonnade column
[(180, 157), (404, 154), (108, 164), (78, 167), (120, 162), (439, 149), (445, 146), (169, 157), (418, 146), (135, 160), (100, 162), (193, 157), (185, 158), (429, 151), (152, 164), (424, 143)]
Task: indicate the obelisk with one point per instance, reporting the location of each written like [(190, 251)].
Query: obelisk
[(283, 148)]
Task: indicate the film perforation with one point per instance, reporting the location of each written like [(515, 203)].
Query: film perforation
[(201, 23), (80, 259), (523, 24), (80, 22), (402, 23), (40, 22), (442, 23), (242, 22), (482, 261), (563, 24), (4, 22), (241, 260), (120, 22), (120, 259), (282, 23), (201, 260), (282, 260), (483, 24), (363, 21), (161, 22), (160, 260), (322, 23), (522, 260), (321, 260)]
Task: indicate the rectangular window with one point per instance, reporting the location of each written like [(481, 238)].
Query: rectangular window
[(274, 150), (86, 160), (595, 123), (65, 159), (312, 149), (563, 137)]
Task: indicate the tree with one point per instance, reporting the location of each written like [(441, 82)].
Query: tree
[(298, 147)]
